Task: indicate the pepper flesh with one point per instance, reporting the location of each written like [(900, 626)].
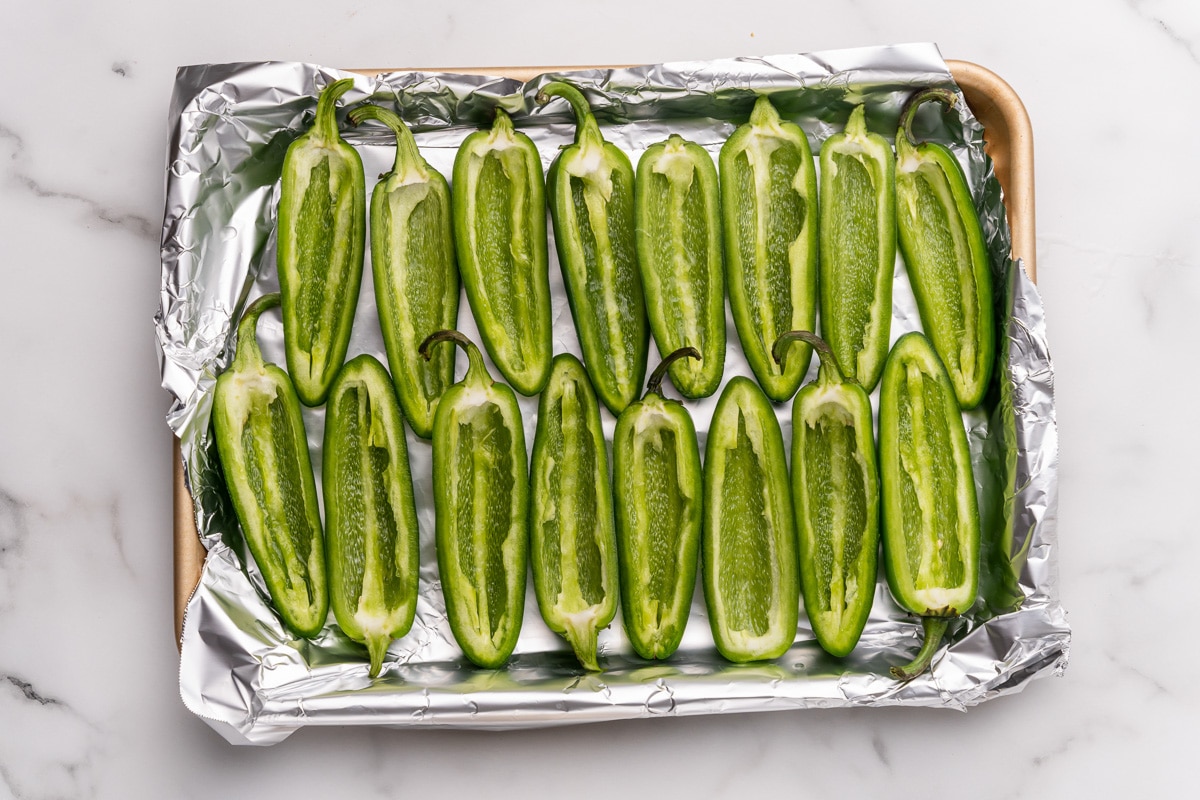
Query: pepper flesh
[(858, 247), (371, 534), (769, 204), (658, 489), (946, 256), (500, 224), (264, 455), (591, 204), (835, 492), (412, 263), (679, 250), (750, 581), (571, 514), (930, 516), (321, 231), (481, 504)]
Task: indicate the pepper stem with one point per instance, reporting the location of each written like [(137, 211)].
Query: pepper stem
[(476, 371), (248, 353), (945, 96), (656, 378), (935, 627), (764, 113), (829, 372), (377, 647), (325, 125), (408, 157), (587, 130), (856, 126)]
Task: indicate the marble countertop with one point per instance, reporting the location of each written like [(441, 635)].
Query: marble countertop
[(85, 480)]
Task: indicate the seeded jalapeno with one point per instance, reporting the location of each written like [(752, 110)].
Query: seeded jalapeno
[(930, 517), (481, 504), (750, 580), (658, 489), (679, 250), (591, 204), (412, 261), (769, 204), (858, 247), (371, 534), (571, 514), (835, 491), (945, 254), (264, 455), (322, 225), (500, 224)]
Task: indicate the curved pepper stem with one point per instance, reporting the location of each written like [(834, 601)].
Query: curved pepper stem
[(325, 125), (248, 354), (476, 371), (587, 130), (830, 372), (408, 157), (935, 627), (856, 126), (654, 385), (909, 112)]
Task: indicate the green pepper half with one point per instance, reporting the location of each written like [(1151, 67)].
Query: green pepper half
[(750, 580), (412, 261), (500, 223), (769, 202), (835, 491), (679, 250), (264, 455), (930, 516), (658, 489), (591, 204), (322, 227), (481, 501), (858, 247), (946, 256), (571, 514), (371, 534)]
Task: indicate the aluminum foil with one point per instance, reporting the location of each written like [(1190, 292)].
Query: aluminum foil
[(255, 683)]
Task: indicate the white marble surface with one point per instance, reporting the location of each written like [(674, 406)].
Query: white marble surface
[(85, 518)]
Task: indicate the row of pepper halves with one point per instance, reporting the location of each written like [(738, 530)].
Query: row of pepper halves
[(481, 490)]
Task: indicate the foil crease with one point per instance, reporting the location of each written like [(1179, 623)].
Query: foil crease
[(252, 681)]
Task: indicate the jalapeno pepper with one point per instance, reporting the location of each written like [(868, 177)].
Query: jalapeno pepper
[(571, 514), (835, 491), (750, 581), (658, 490), (930, 517), (946, 256), (481, 502), (371, 534), (264, 455), (412, 262), (500, 224), (769, 203), (591, 204), (858, 247), (679, 250), (322, 225)]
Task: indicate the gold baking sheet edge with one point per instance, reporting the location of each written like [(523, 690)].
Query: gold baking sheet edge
[(1009, 138)]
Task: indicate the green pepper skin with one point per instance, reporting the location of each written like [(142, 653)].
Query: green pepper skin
[(858, 247), (946, 255), (590, 190), (500, 225), (930, 516), (658, 489), (264, 455), (835, 491), (571, 514), (481, 503), (321, 232), (769, 203), (371, 534), (678, 211), (748, 507)]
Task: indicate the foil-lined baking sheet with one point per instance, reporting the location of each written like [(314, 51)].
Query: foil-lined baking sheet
[(256, 683)]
